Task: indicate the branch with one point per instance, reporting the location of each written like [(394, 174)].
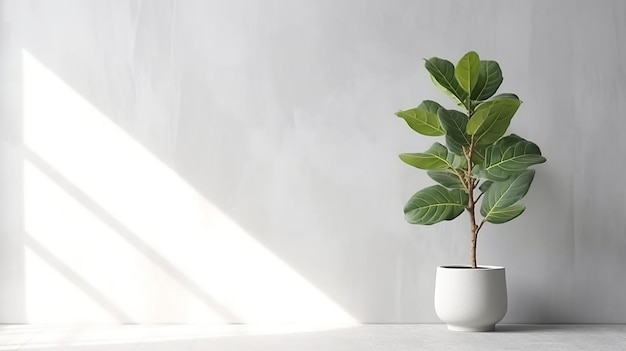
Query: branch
[(461, 178), (478, 198), (480, 226)]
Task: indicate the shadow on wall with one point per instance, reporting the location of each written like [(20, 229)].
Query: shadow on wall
[(114, 235)]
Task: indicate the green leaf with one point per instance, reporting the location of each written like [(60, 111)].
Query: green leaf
[(457, 162), (505, 96), (455, 124), (489, 80), (503, 194), (491, 119), (433, 158), (510, 155), (435, 204), (449, 179), (467, 71), (423, 119), (478, 155), (442, 73), (479, 172), (485, 186), (503, 215)]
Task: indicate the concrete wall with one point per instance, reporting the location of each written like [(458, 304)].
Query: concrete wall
[(236, 161)]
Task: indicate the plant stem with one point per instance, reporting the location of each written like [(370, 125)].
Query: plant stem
[(471, 185), (474, 230), (471, 208)]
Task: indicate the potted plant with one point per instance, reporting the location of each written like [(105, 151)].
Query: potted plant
[(479, 170)]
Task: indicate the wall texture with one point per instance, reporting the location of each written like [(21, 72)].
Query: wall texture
[(236, 161)]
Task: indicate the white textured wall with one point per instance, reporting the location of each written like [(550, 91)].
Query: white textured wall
[(236, 161)]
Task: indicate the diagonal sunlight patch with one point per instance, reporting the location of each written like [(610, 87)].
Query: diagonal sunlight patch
[(124, 225)]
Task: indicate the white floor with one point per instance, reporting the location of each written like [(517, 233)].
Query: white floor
[(364, 337)]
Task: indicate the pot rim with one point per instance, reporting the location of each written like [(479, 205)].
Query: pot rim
[(468, 267)]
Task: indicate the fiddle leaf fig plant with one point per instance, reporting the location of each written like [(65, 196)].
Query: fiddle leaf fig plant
[(479, 167)]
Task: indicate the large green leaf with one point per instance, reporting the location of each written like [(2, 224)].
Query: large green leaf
[(436, 157), (503, 215), (448, 178), (503, 194), (423, 119), (467, 71), (479, 172), (491, 119), (435, 204), (442, 73), (489, 80), (510, 155), (455, 124)]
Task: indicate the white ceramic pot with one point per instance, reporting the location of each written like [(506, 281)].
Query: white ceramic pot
[(469, 299)]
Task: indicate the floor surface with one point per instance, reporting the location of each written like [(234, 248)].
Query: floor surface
[(278, 338)]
